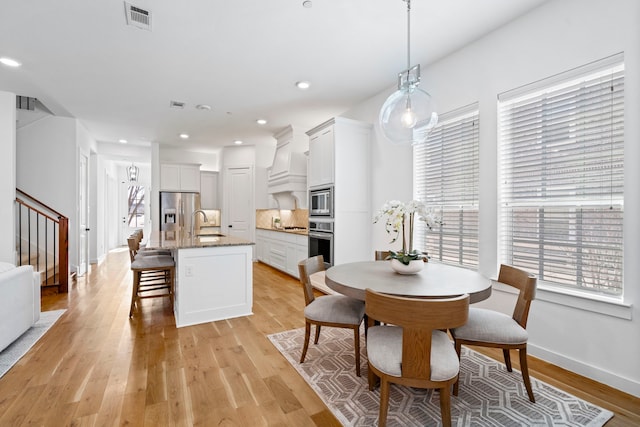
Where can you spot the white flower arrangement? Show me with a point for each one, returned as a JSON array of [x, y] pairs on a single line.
[[397, 215]]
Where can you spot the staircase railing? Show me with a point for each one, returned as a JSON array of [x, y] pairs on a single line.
[[42, 240]]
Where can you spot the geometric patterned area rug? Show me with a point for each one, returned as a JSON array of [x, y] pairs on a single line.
[[14, 351], [489, 395]]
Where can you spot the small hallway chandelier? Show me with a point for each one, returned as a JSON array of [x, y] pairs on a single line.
[[132, 173], [408, 115]]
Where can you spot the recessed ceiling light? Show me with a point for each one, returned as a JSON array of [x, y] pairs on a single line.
[[9, 62], [261, 121], [303, 85], [203, 107], [122, 141], [237, 142], [184, 135], [307, 4]]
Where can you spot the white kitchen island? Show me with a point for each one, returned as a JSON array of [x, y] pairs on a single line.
[[214, 276]]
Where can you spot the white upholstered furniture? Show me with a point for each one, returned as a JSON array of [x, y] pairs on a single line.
[[415, 352], [336, 311], [20, 302], [488, 328]]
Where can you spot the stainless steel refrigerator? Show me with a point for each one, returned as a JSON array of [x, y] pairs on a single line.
[[176, 210]]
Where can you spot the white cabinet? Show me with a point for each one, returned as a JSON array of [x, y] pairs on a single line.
[[169, 177], [261, 248], [281, 250], [209, 190], [321, 158], [179, 177], [340, 155]]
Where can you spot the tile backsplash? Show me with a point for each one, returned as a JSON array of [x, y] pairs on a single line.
[[294, 218]]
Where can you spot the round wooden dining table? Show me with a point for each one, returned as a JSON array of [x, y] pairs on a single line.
[[434, 281]]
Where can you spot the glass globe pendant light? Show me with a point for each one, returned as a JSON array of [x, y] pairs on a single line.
[[408, 115]]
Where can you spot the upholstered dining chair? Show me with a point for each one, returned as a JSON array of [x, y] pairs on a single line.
[[337, 311], [488, 328], [415, 352]]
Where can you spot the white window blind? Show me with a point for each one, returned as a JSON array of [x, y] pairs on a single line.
[[445, 171], [561, 173]]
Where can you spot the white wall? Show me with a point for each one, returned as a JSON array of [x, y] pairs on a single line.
[[558, 36], [208, 161], [7, 176], [46, 156], [264, 154]]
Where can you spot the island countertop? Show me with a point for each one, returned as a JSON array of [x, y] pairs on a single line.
[[182, 240]]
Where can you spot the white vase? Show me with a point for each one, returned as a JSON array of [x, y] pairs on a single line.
[[414, 267]]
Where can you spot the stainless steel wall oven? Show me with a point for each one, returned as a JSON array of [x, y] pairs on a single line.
[[321, 239]]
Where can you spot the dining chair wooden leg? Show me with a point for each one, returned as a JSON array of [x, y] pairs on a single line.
[[458, 346], [384, 402], [445, 407], [315, 341], [373, 379], [524, 368], [366, 325], [307, 335], [356, 344], [507, 358]]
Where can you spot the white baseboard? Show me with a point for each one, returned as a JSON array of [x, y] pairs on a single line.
[[595, 373], [98, 260]]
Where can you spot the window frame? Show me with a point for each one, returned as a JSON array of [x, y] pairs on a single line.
[[133, 213], [564, 294], [456, 240]]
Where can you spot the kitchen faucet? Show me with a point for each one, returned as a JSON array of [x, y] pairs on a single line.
[[193, 219]]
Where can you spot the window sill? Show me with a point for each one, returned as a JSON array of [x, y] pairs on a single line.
[[597, 304]]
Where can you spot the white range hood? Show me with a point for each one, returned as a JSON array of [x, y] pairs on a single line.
[[287, 176]]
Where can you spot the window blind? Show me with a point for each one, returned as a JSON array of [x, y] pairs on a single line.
[[445, 171], [561, 174]]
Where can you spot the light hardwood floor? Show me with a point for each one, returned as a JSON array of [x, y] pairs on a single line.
[[96, 367]]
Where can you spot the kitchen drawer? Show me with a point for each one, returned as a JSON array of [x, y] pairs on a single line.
[[278, 260], [277, 248]]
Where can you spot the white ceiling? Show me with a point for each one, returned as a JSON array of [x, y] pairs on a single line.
[[242, 58]]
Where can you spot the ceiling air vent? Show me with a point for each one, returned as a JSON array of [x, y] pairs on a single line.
[[25, 103], [176, 104], [137, 17]]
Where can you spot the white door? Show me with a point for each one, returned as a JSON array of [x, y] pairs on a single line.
[[239, 201], [83, 217], [133, 208]]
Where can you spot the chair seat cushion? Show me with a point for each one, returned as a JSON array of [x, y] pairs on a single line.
[[335, 309], [384, 350], [491, 326], [152, 262]]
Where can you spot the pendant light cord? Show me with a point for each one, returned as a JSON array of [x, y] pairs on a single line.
[[408, 35]]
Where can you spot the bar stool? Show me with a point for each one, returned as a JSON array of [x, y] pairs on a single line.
[[153, 276], [137, 235]]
